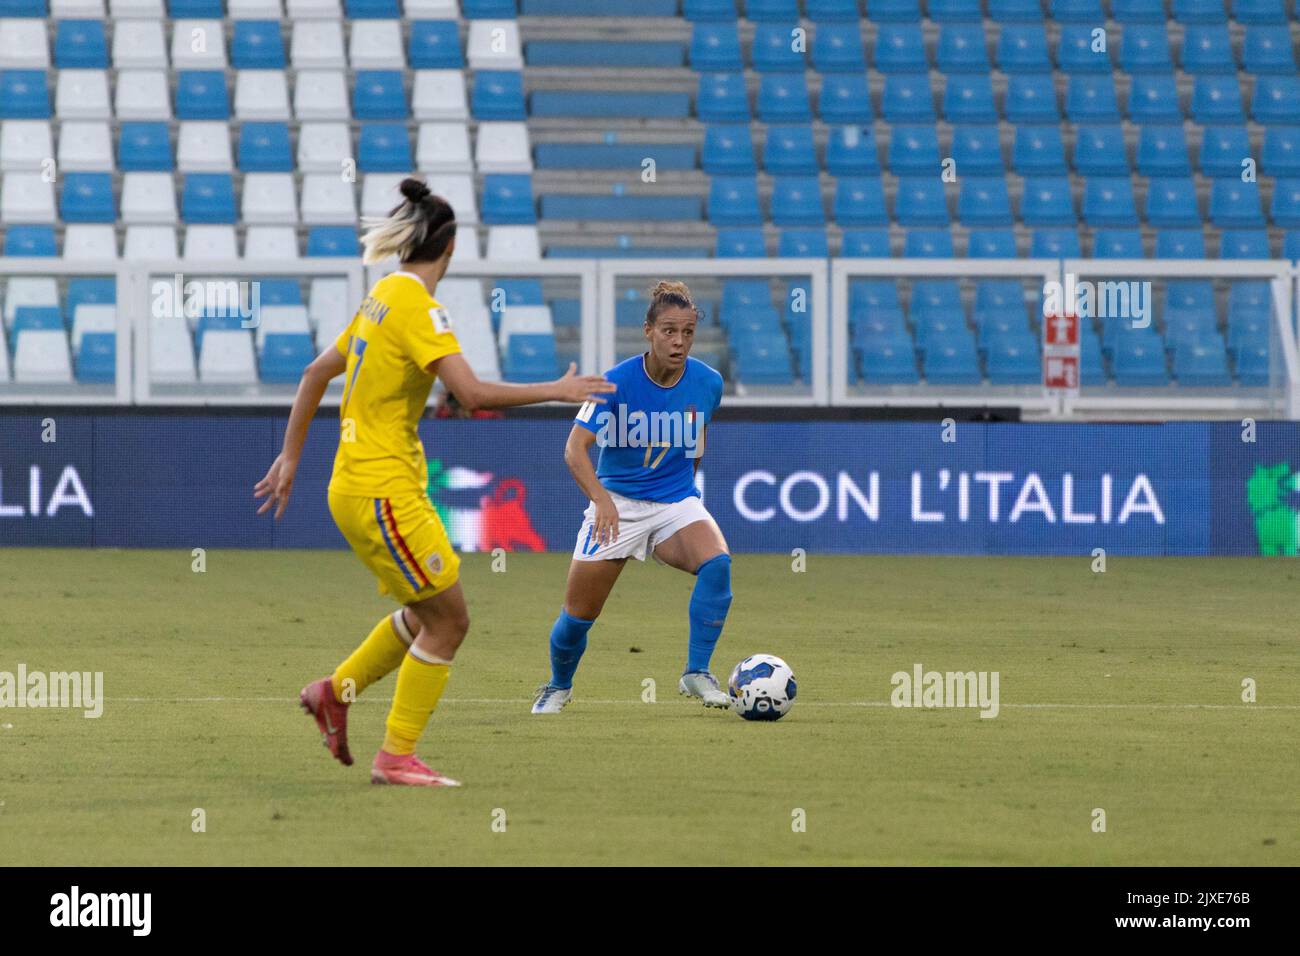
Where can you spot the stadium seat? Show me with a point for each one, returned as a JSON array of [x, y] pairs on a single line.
[[150, 242], [1276, 99], [953, 361], [1031, 98], [1258, 11], [977, 151], [851, 151], [764, 10], [1038, 151], [1060, 243], [1144, 48], [920, 201], [1046, 201], [715, 47], [285, 355], [256, 45], [144, 147], [1118, 244], [1108, 201], [26, 198], [87, 197], [844, 99], [435, 45], [822, 10], [27, 144], [1013, 360], [907, 98], [1180, 244], [889, 362], [913, 149], [1092, 366], [928, 244], [1207, 49], [763, 361], [97, 358], [984, 201], [226, 357], [210, 242], [333, 241], [1281, 153], [200, 95], [1153, 98], [721, 98], [1267, 49], [1171, 202], [1254, 366], [1244, 244], [789, 151], [900, 48], [1223, 148], [859, 201], [1091, 99], [961, 49], [803, 244], [783, 98], [1162, 151], [208, 197], [1216, 99], [837, 48], [41, 357], [796, 201], [1234, 204], [1139, 360], [773, 51], [36, 318], [24, 241], [1099, 150], [733, 201], [728, 150], [968, 98], [992, 244], [1202, 363], [1076, 52], [1285, 208], [954, 11], [508, 200], [865, 243], [1022, 48], [740, 243], [1015, 11], [1199, 11], [204, 147], [378, 94], [80, 44]]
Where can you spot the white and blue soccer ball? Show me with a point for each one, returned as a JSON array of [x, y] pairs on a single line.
[[762, 687]]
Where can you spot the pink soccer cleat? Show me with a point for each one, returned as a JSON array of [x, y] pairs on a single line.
[[408, 771], [331, 717]]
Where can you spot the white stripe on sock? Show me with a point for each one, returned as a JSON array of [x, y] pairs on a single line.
[[425, 656], [403, 632]]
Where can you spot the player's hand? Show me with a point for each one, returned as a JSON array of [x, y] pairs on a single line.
[[606, 526], [582, 388], [276, 486]]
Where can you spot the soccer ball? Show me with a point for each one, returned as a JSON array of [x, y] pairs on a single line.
[[762, 688]]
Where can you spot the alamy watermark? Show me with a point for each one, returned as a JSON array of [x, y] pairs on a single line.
[[922, 688], [180, 299], [1112, 299], [78, 690], [620, 427]]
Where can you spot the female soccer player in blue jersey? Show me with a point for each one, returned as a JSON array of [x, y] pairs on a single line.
[[643, 496]]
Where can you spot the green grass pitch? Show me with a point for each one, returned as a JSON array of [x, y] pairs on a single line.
[[1120, 691]]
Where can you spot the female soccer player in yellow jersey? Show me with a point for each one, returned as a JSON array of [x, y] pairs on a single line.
[[398, 342]]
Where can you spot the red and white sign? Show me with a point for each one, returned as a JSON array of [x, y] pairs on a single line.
[[1061, 372], [1061, 330], [1061, 352]]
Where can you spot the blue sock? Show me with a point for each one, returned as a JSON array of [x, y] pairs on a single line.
[[568, 641], [708, 610]]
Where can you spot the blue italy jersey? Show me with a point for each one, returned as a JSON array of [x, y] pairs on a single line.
[[650, 436]]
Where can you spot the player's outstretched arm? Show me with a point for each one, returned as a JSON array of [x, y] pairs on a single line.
[[472, 392], [278, 483], [577, 455]]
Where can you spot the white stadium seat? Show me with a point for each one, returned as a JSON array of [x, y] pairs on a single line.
[[473, 328], [328, 308], [269, 198], [458, 190], [493, 45], [317, 45], [24, 44], [503, 148], [322, 147], [148, 198], [83, 94], [85, 146], [514, 242], [431, 9], [270, 242], [139, 45], [313, 9], [321, 94], [77, 9], [92, 318], [41, 357], [443, 148], [280, 318], [439, 95], [25, 144], [376, 45], [198, 45], [89, 240], [526, 320], [124, 9], [142, 95], [261, 95], [226, 358], [379, 193], [327, 200], [26, 198], [466, 245], [171, 351], [210, 241], [203, 146], [150, 242], [254, 10], [29, 290]]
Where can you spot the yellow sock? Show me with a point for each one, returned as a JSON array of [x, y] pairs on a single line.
[[378, 654], [419, 685]]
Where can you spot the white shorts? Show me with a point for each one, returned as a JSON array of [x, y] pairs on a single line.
[[642, 525]]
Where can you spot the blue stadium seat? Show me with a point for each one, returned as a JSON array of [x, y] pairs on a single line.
[[715, 47], [566, 313], [1180, 244], [388, 9], [34, 241], [844, 98], [1259, 11], [256, 45], [1285, 209], [968, 98], [36, 318], [837, 48], [1117, 244], [1291, 244], [1013, 360], [1187, 327], [1199, 11], [1207, 49], [333, 241], [1055, 243], [1145, 49], [80, 44], [763, 360], [1099, 150], [264, 148], [208, 198], [384, 148], [953, 361], [697, 10], [934, 328], [779, 10], [284, 357], [488, 9], [1222, 150], [378, 95], [789, 151], [1189, 294], [889, 362], [1276, 99], [913, 149], [954, 11], [1076, 52], [144, 147], [961, 49], [797, 201], [530, 358], [1038, 151], [1022, 48], [977, 151], [1091, 99], [1046, 202], [103, 291], [900, 48], [435, 45], [1015, 11], [803, 244], [1234, 204], [721, 98], [1092, 367], [992, 244], [520, 291], [87, 197], [871, 294], [1153, 98], [984, 201], [1253, 363], [1203, 363], [744, 242], [1244, 244], [928, 244], [783, 98], [201, 95], [1031, 98], [878, 322], [907, 98], [97, 358], [865, 243], [920, 201], [860, 201], [1267, 49], [1138, 11], [1249, 297], [1077, 11], [774, 50], [728, 150], [894, 11], [194, 9], [1281, 153], [1162, 151], [1108, 201], [733, 201], [1171, 202], [23, 8], [820, 10], [24, 95], [1216, 99], [497, 95], [851, 151], [1139, 360], [508, 200], [279, 292]]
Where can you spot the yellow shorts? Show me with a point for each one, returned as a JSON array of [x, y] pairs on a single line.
[[402, 542]]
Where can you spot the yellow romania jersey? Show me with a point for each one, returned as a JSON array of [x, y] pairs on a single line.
[[398, 330]]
